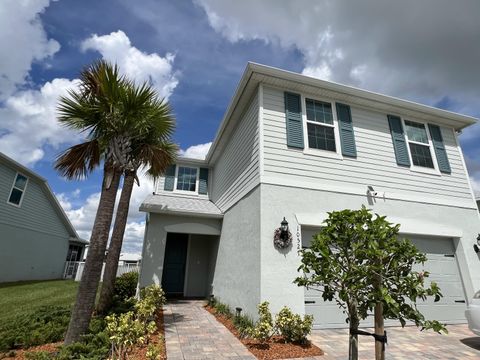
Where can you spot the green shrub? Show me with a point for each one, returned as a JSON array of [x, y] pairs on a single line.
[[222, 309], [292, 327], [153, 352], [243, 324], [126, 286], [95, 345], [45, 325], [263, 329], [124, 332]]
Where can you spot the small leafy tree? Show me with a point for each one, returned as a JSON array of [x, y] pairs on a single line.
[[358, 261]]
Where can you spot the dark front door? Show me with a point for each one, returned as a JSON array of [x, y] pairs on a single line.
[[173, 276]]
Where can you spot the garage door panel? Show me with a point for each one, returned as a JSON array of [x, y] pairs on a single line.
[[443, 269]]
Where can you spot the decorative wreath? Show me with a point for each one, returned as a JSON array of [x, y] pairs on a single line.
[[282, 239]]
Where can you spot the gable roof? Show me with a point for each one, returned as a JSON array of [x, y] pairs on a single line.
[[50, 195], [255, 74]]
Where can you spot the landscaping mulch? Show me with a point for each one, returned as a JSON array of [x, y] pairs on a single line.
[[20, 353], [157, 339], [275, 348]]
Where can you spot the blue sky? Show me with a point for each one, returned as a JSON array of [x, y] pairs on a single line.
[[194, 53]]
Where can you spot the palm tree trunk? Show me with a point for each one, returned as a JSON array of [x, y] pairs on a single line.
[[113, 256], [87, 291]]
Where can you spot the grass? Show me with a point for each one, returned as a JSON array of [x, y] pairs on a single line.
[[20, 298]]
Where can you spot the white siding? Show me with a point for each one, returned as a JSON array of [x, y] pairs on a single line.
[[375, 163], [236, 171]]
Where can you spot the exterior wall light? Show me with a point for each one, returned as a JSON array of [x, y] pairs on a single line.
[[284, 225], [476, 246]]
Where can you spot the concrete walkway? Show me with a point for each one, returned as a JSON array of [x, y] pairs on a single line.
[[191, 332]]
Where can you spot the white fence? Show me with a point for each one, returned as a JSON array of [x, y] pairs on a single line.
[[74, 269]]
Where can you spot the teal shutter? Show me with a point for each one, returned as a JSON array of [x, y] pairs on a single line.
[[293, 112], [398, 138], [203, 181], [439, 147], [169, 178], [347, 137]]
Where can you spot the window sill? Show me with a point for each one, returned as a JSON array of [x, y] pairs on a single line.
[[419, 169], [323, 153]]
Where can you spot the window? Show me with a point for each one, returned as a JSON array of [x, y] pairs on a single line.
[[320, 125], [187, 179], [18, 188], [419, 144]]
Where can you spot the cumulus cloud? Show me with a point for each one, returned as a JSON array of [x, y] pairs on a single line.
[[23, 41], [413, 49], [29, 122], [83, 216], [196, 151], [157, 70]]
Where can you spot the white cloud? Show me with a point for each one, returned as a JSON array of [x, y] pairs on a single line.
[[116, 47], [411, 49], [196, 151], [23, 41], [83, 216], [28, 122]]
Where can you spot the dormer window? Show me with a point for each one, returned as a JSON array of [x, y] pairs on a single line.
[[18, 189], [187, 178]]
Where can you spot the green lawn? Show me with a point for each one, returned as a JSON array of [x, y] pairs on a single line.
[[23, 297]]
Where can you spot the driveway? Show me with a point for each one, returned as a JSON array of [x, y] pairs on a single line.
[[407, 343]]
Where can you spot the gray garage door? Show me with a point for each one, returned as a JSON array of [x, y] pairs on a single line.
[[443, 269]]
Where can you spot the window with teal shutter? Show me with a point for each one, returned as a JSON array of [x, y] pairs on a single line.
[[320, 126], [398, 139], [347, 136], [439, 147], [169, 178], [293, 114], [203, 181]]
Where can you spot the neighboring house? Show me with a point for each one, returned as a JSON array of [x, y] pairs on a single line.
[[297, 147], [36, 237], [129, 259]]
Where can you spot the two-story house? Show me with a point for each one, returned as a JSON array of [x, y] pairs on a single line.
[[298, 147], [36, 236]]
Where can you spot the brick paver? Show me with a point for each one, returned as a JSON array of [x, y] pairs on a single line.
[[191, 332], [406, 343]]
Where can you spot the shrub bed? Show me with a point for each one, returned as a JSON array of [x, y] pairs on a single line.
[[267, 339]]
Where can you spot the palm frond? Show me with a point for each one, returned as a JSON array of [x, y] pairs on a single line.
[[79, 160]]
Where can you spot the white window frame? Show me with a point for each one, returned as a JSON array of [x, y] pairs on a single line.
[[416, 168], [13, 186], [197, 181], [337, 154]]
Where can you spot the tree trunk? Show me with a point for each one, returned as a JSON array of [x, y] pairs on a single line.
[[353, 340], [379, 330], [115, 247], [87, 291]]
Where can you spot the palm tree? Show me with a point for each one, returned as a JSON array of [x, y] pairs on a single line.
[[97, 109], [150, 148]]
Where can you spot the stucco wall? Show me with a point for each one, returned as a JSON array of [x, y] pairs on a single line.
[[279, 269], [158, 225], [200, 255], [237, 273], [30, 255]]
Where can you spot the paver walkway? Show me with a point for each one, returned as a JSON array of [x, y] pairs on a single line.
[[407, 343], [191, 332]]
